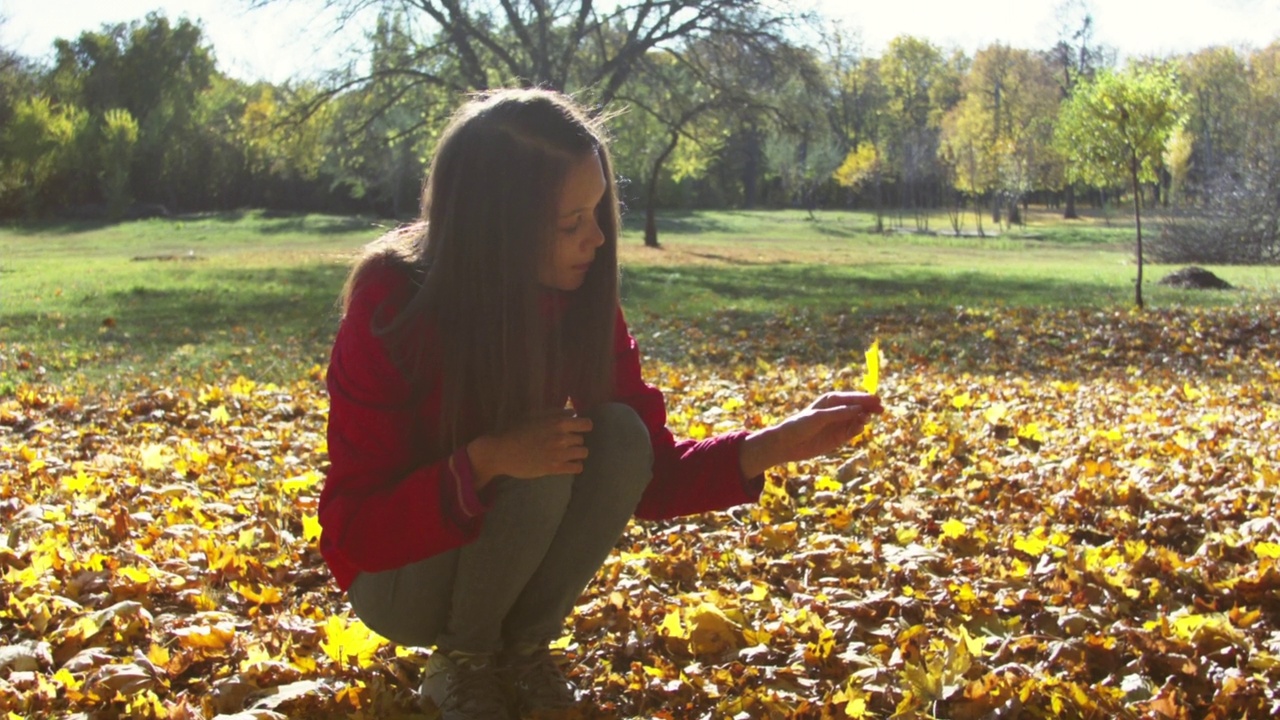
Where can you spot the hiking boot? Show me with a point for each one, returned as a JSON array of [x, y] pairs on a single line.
[[538, 681], [464, 686]]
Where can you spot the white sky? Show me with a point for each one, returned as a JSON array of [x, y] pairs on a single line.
[[289, 38]]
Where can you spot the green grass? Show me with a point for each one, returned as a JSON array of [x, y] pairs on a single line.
[[254, 294], [762, 262]]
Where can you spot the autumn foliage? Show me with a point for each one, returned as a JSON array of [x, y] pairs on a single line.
[[1061, 514]]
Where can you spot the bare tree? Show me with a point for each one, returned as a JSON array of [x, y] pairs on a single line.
[[569, 45]]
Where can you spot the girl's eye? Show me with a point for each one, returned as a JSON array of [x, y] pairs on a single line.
[[566, 229]]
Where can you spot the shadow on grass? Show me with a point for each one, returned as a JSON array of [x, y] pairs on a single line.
[[291, 299], [774, 287], [266, 222], [842, 230], [679, 222], [969, 322], [270, 222], [275, 322], [55, 227]]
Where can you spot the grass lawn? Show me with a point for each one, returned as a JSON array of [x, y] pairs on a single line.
[[252, 293]]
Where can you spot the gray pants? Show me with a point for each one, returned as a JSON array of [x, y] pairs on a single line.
[[543, 540]]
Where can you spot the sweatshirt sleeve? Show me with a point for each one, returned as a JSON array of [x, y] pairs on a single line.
[[688, 477], [386, 502]]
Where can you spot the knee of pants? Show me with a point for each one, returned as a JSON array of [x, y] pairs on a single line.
[[541, 501], [620, 440], [407, 605]]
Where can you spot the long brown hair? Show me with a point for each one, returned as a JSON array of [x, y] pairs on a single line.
[[504, 348]]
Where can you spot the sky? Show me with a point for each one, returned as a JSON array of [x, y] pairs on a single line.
[[290, 39]]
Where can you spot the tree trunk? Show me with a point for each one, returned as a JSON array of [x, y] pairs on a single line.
[[1137, 221], [751, 169], [651, 193], [879, 203], [1070, 213]]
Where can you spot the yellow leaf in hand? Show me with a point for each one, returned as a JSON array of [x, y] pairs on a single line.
[[871, 381]]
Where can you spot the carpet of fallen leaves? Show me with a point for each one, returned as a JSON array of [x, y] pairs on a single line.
[[1062, 514]]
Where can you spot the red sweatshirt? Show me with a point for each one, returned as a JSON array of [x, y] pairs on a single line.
[[389, 500]]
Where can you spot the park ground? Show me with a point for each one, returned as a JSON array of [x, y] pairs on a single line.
[[1068, 509]]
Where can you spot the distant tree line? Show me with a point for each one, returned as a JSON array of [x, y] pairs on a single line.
[[713, 103]]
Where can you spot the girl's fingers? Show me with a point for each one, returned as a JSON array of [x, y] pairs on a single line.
[[840, 414], [573, 425]]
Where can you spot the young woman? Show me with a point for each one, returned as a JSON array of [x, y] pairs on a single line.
[[489, 433]]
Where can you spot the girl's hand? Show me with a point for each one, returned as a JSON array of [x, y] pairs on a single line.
[[551, 445], [829, 422]]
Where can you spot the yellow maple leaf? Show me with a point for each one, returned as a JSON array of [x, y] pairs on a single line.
[[159, 655], [953, 529], [136, 575], [826, 483], [310, 528], [155, 457], [64, 678], [79, 483], [256, 654], [268, 595], [711, 632], [1267, 550], [242, 386], [871, 381], [1031, 545], [298, 483], [345, 641], [996, 413], [210, 394], [215, 636], [671, 625], [1031, 431]]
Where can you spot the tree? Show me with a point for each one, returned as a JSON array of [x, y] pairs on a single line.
[[594, 50], [803, 162], [998, 138], [668, 118], [569, 45], [35, 146], [921, 85], [1116, 127], [381, 133], [862, 166], [855, 96], [17, 81], [158, 72], [1076, 58], [1216, 81], [700, 90], [119, 135], [1233, 176]]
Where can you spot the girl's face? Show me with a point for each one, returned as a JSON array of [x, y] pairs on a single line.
[[577, 232]]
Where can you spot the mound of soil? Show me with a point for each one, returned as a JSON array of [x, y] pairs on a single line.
[[1195, 278]]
